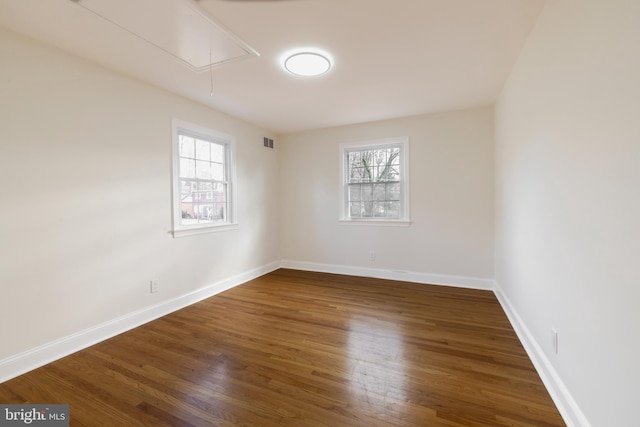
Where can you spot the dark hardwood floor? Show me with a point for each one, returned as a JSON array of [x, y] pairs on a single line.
[[306, 349]]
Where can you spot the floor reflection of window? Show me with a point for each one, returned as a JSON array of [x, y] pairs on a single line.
[[376, 366]]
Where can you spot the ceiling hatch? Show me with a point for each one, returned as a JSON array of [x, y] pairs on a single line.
[[178, 27]]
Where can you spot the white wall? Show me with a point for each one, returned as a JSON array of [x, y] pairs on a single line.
[[85, 165], [568, 199], [451, 168]]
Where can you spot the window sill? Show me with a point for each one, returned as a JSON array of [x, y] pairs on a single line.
[[184, 232], [376, 222]]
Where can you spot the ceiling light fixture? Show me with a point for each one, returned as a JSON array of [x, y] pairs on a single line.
[[307, 64]]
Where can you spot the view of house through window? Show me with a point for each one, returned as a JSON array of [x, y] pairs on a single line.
[[202, 180], [374, 180], [203, 187]]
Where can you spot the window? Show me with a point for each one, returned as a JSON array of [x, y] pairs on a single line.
[[374, 182], [203, 180]]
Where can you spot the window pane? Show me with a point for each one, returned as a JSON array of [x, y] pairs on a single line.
[[368, 166], [205, 192], [395, 155], [205, 186], [186, 146], [217, 153], [379, 192], [205, 213], [393, 209], [203, 170], [188, 214], [379, 209], [377, 172], [393, 191], [202, 150], [355, 174], [217, 171], [367, 192], [354, 159], [367, 209], [219, 212], [187, 168], [187, 188], [219, 192], [355, 210], [354, 193]]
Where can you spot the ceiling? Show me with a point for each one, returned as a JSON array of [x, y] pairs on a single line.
[[392, 58]]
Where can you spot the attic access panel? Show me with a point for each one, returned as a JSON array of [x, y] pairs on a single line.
[[178, 27]]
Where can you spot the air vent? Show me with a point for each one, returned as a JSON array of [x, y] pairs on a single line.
[[268, 143]]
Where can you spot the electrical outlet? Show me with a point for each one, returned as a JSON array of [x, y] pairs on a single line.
[[154, 286], [554, 340], [372, 256]]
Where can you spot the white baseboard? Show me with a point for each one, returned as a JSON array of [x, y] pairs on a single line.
[[567, 406], [404, 276], [39, 356]]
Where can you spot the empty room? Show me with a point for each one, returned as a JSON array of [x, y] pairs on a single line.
[[319, 213]]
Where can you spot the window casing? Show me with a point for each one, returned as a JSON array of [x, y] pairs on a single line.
[[374, 182], [203, 180]]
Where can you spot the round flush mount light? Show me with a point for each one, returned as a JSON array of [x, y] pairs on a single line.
[[307, 64]]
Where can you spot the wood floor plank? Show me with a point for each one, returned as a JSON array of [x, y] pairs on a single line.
[[295, 348]]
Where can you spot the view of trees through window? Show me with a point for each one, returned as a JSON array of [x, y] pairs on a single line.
[[373, 182]]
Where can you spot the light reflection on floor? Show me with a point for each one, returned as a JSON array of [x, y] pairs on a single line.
[[376, 365]]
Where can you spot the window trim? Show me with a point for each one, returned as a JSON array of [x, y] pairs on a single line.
[[183, 127], [405, 217]]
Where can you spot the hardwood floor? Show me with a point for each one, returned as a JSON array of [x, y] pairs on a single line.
[[306, 349]]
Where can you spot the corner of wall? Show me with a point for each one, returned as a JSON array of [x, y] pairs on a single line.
[[567, 406]]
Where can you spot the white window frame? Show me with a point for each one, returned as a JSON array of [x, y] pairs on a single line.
[[181, 127], [404, 217]]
